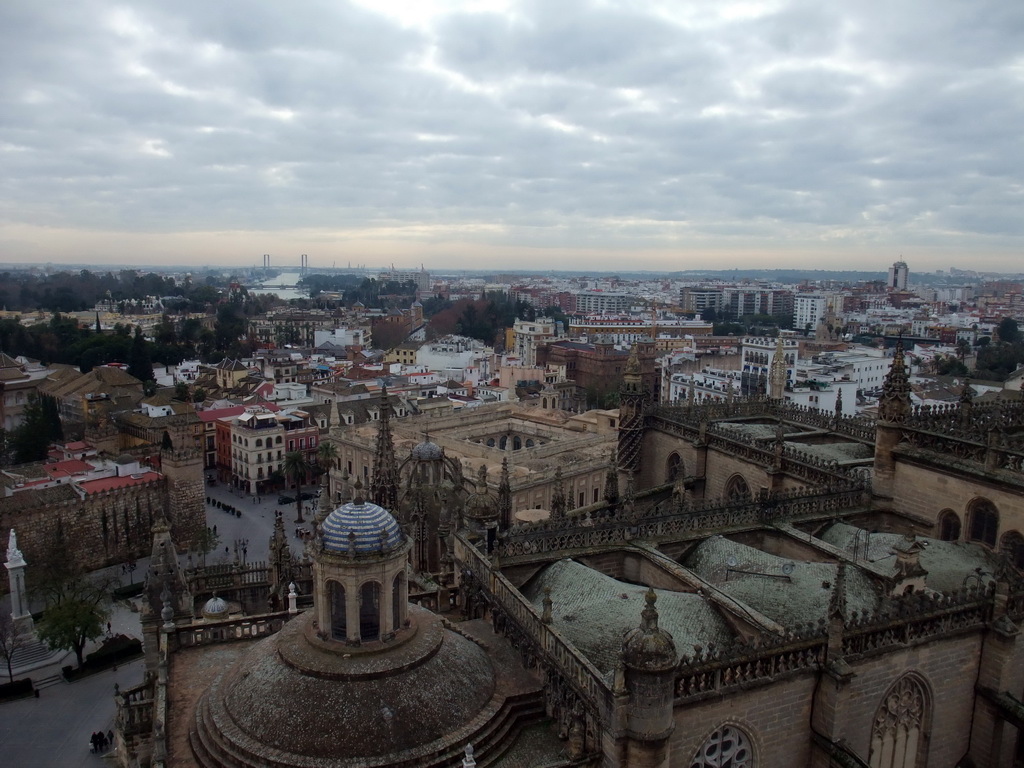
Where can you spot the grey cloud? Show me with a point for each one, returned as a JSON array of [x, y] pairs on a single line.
[[563, 122]]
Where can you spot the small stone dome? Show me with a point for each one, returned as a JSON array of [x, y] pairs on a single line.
[[125, 458], [427, 451], [215, 608], [361, 527], [648, 647]]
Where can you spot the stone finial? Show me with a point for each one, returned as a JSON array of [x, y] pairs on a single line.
[[468, 761], [167, 611], [649, 615], [619, 680], [546, 616], [357, 493], [839, 402], [648, 647]]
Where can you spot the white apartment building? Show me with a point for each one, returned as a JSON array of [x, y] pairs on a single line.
[[756, 356], [864, 366], [601, 303], [528, 334], [808, 310]]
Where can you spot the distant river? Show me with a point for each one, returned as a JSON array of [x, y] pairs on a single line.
[[287, 282]]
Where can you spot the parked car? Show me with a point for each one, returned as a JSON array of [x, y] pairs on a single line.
[[285, 499], [306, 496]]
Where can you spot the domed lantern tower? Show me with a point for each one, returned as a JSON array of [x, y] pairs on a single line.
[[361, 592]]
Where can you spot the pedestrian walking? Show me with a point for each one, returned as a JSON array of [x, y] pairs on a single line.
[[110, 737]]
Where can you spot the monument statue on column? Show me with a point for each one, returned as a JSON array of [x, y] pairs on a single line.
[[19, 598]]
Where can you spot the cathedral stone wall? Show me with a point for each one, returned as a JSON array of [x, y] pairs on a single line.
[[948, 670], [722, 468], [925, 491], [774, 719]]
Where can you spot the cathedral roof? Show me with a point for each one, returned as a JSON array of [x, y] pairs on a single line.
[[787, 591], [947, 563], [299, 702], [595, 612], [361, 528]]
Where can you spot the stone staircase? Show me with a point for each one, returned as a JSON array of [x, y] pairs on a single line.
[[34, 655], [490, 740]]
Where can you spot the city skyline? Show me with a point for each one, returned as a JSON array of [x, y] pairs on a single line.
[[596, 136]]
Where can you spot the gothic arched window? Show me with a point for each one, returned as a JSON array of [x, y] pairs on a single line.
[[949, 525], [984, 520], [898, 727], [673, 467], [737, 489], [1012, 543], [728, 747]]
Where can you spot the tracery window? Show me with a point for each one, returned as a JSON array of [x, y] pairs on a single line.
[[737, 489], [949, 526], [984, 522], [673, 467], [728, 747], [899, 724]]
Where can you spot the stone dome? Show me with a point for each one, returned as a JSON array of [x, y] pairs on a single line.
[[427, 451], [370, 708], [215, 608], [648, 647], [361, 527]]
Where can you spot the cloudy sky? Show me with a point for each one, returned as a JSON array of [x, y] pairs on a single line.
[[577, 134]]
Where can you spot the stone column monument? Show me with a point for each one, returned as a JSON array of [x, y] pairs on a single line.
[[19, 599]]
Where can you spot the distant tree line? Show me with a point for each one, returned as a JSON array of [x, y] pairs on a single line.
[[484, 319]]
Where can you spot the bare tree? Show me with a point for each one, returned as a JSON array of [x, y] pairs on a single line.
[[10, 642]]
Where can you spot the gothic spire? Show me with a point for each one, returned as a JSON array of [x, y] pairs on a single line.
[[558, 502], [895, 403], [324, 505], [504, 497], [384, 483], [611, 481], [777, 372], [837, 600], [632, 414]]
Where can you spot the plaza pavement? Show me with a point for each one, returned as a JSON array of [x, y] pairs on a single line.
[[53, 731]]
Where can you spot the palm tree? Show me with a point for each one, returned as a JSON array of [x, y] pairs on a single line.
[[326, 453], [296, 467]]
